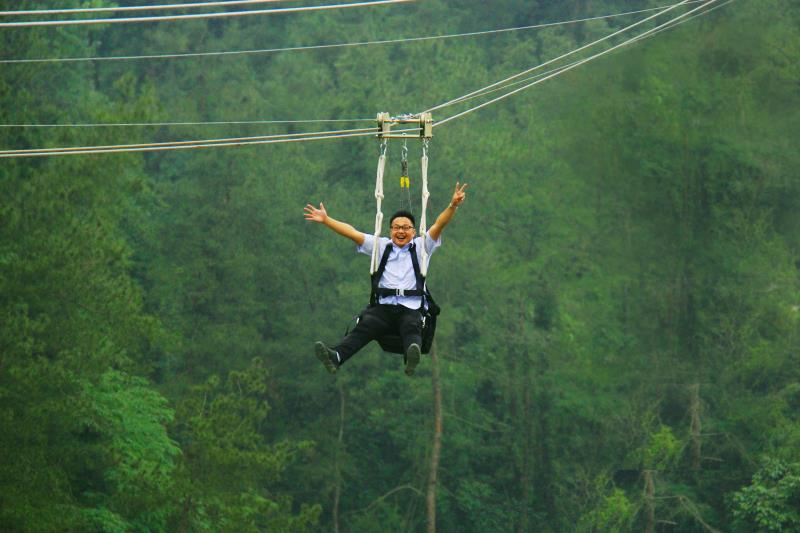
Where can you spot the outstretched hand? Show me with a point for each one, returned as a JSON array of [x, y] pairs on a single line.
[[317, 215], [459, 195]]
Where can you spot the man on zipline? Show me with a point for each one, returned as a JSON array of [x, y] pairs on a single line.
[[398, 314]]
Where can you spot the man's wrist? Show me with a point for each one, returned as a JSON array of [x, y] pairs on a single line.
[[452, 206]]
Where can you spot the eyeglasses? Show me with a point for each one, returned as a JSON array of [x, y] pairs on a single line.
[[395, 227]]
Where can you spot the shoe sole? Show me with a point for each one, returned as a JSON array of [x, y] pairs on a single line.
[[412, 359], [321, 351]]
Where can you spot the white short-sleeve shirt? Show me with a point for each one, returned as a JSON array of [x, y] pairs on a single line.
[[399, 273]]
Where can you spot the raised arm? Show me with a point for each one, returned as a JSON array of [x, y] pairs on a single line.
[[342, 228], [445, 216]]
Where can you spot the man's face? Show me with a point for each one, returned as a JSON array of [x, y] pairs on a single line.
[[402, 231]]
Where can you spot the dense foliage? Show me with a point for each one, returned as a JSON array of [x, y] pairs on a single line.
[[620, 342]]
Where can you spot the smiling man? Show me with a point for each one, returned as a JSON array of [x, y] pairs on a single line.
[[392, 313]]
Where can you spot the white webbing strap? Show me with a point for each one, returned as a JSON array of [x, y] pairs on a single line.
[[423, 223], [378, 213]]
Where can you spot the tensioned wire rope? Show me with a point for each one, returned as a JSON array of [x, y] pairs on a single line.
[[77, 10], [196, 16], [581, 62], [203, 123], [598, 17], [115, 147], [332, 45], [325, 135], [669, 25], [258, 140], [666, 26], [184, 145], [562, 56]]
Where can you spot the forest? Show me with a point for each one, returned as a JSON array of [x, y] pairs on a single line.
[[619, 342]]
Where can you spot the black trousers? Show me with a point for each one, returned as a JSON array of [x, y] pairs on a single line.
[[378, 320]]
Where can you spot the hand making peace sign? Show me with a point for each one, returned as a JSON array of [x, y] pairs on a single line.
[[458, 195]]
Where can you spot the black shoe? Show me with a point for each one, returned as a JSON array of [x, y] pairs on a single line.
[[327, 356], [412, 358]]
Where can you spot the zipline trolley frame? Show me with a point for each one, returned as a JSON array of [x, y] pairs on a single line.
[[386, 121]]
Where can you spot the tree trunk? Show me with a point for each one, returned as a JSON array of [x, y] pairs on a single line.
[[525, 431], [187, 506], [339, 450], [437, 441], [649, 501], [543, 466], [696, 425], [525, 474]]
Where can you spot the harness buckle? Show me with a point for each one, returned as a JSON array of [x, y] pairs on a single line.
[[399, 292]]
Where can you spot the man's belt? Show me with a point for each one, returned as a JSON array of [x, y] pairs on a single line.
[[384, 291]]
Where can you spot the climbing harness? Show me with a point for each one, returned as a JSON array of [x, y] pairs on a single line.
[[392, 342]]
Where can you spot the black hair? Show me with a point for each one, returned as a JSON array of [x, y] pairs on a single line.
[[403, 213]]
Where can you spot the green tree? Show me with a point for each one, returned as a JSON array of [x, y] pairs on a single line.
[[224, 479], [770, 502]]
